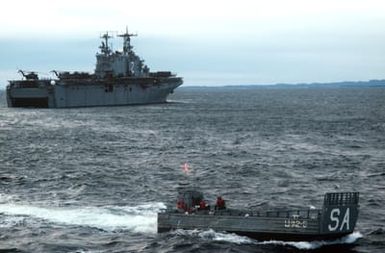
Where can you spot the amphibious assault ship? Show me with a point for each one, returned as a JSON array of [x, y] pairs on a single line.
[[120, 78], [335, 219]]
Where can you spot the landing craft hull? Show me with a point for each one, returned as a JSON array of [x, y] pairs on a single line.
[[336, 219], [260, 228], [88, 93]]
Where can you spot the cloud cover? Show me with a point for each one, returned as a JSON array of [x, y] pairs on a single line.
[[207, 42]]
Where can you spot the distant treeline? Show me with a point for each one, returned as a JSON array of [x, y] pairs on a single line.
[[371, 83], [344, 84]]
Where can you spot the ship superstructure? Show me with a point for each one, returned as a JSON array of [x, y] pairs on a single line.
[[120, 78]]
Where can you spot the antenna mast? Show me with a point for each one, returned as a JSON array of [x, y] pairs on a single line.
[[104, 47], [127, 41]]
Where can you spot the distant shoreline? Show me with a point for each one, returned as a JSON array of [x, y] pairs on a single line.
[[343, 84]]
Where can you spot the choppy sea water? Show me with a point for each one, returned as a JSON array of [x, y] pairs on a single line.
[[93, 179]]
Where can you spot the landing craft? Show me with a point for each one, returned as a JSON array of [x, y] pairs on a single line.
[[120, 78], [335, 219]]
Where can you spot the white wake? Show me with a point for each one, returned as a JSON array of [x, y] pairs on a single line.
[[348, 239], [137, 219], [237, 239]]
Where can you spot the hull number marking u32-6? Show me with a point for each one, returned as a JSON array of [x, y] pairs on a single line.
[[295, 222]]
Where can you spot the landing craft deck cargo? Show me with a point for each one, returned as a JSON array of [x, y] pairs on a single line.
[[120, 78], [336, 219]]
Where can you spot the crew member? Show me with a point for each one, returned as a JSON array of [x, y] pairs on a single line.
[[220, 203], [181, 206], [202, 205]]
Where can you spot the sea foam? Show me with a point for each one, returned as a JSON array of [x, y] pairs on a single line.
[[137, 219], [237, 239]]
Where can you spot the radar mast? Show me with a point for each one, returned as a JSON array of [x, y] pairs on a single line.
[[126, 41], [104, 47]]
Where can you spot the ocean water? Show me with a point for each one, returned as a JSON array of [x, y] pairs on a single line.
[[93, 179]]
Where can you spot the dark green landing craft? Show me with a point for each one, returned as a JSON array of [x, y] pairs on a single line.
[[336, 219]]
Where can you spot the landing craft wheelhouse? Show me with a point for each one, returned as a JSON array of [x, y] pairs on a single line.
[[120, 78]]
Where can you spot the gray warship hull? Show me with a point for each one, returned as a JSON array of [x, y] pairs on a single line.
[[86, 93], [336, 219], [120, 78]]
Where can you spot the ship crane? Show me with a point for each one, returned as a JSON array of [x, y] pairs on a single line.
[[31, 75]]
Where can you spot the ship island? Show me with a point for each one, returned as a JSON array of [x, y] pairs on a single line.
[[120, 78]]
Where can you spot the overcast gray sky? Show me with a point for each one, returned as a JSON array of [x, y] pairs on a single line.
[[207, 42]]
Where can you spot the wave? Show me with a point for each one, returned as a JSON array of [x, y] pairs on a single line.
[[348, 239], [215, 236], [9, 221], [237, 239], [136, 219]]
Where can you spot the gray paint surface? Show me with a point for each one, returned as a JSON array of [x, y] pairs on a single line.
[[336, 218], [120, 78]]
